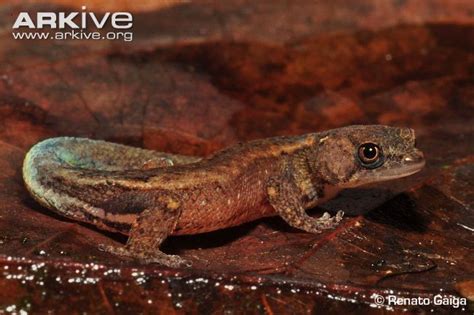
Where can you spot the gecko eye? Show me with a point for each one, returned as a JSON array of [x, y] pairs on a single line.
[[370, 155]]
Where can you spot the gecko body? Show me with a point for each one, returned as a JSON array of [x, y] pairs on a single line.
[[150, 195]]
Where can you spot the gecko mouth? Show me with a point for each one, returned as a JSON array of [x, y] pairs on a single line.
[[410, 164], [403, 171]]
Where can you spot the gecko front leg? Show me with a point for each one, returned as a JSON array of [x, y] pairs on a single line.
[[284, 197], [149, 231]]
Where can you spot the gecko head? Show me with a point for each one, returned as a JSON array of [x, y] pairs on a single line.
[[357, 155]]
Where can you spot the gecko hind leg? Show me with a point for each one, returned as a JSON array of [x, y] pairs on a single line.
[[148, 233], [284, 198]]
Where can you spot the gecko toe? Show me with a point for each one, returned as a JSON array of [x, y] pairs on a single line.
[[158, 257], [116, 250], [325, 216], [172, 261], [339, 215]]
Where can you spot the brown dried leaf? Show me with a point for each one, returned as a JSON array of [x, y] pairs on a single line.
[[202, 76]]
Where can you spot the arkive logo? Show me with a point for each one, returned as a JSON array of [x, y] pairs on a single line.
[[83, 25], [74, 20]]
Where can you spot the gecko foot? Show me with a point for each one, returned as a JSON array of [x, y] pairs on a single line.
[[158, 257], [331, 222], [326, 221]]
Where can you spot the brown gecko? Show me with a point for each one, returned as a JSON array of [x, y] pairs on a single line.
[[150, 195]]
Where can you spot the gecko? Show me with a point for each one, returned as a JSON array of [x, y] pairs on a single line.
[[149, 195]]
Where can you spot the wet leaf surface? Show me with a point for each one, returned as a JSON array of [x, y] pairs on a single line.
[[199, 77]]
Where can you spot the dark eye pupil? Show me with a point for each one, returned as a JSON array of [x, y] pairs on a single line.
[[369, 151]]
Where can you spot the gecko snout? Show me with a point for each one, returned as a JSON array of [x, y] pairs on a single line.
[[414, 158]]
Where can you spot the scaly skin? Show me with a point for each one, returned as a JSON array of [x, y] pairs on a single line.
[[149, 195]]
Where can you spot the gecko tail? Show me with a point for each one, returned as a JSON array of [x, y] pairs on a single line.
[[43, 175], [47, 162], [41, 161]]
